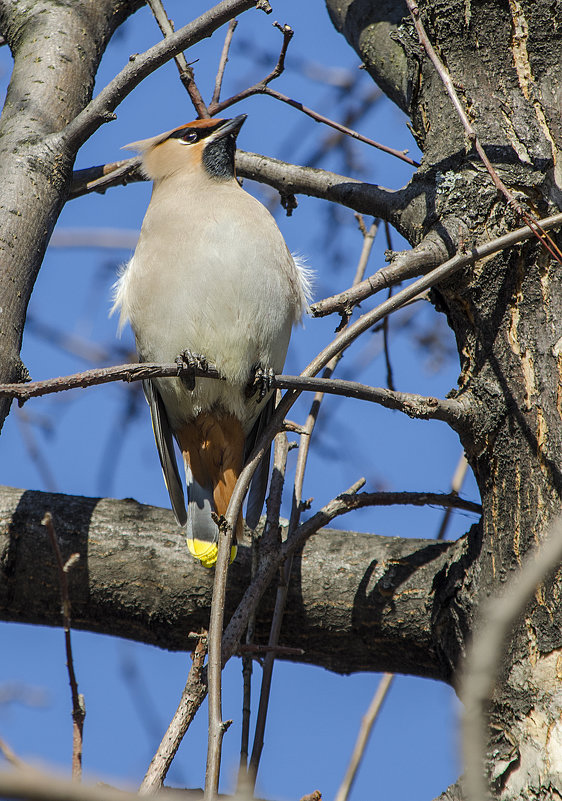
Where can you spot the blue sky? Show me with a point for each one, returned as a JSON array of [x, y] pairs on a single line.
[[131, 690]]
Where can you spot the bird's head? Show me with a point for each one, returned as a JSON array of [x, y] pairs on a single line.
[[205, 145]]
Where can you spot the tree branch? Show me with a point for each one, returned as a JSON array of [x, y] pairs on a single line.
[[447, 410], [343, 620], [286, 178], [411, 263], [101, 108], [185, 71]]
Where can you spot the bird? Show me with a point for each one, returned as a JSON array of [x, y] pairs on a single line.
[[211, 281]]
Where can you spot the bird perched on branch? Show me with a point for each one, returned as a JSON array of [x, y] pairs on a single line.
[[211, 280]]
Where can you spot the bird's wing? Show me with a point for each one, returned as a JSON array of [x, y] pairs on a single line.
[[165, 445], [258, 487]]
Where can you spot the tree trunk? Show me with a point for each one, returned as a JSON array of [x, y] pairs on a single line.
[[506, 313], [50, 84]]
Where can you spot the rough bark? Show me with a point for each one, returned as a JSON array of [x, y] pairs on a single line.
[[505, 60], [50, 84], [356, 601]]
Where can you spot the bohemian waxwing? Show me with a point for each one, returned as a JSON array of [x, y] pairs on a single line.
[[211, 277]]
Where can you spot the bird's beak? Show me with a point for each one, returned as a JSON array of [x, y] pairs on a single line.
[[230, 127]]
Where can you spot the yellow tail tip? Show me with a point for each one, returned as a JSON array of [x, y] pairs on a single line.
[[207, 552]]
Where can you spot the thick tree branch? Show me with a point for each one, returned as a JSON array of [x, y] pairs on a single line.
[[344, 620], [286, 178]]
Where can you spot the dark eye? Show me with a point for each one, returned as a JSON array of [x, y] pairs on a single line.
[[189, 138]]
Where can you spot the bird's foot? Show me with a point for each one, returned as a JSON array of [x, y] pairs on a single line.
[[188, 362], [261, 381]]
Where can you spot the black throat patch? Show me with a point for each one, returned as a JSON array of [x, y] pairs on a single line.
[[218, 157]]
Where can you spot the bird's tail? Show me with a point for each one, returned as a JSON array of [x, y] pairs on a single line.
[[213, 452]]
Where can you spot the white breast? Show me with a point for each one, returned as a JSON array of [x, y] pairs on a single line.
[[211, 273]]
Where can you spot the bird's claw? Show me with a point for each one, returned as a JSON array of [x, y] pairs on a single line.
[[260, 382], [188, 362]]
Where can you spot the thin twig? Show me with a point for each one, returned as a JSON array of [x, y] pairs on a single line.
[[386, 322], [283, 586], [78, 706], [217, 727], [100, 109], [247, 669], [497, 618], [223, 60], [534, 224], [262, 89], [271, 538], [191, 699], [185, 71], [261, 86], [363, 736], [456, 486], [344, 302]]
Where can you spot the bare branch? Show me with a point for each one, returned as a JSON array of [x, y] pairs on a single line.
[[223, 60], [78, 706], [185, 71], [363, 737], [191, 699], [448, 410], [271, 538], [96, 528], [101, 108], [344, 302], [315, 115], [217, 727]]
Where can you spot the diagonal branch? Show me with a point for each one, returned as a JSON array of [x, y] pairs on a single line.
[[191, 698], [344, 302], [223, 61], [315, 115], [185, 71], [258, 88], [101, 108]]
